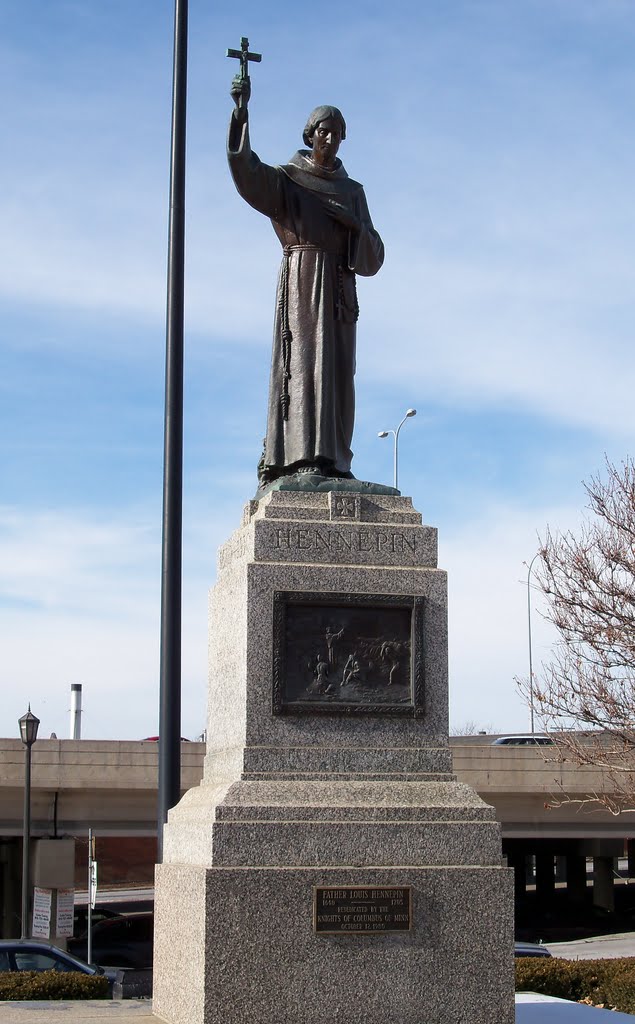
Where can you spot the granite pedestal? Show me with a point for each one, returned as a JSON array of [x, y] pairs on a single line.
[[328, 789]]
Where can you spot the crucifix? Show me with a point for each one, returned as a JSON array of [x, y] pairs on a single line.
[[244, 56]]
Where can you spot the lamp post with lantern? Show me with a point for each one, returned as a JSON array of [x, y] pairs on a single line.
[[28, 734]]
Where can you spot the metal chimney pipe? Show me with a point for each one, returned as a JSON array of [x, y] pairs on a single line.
[[76, 711]]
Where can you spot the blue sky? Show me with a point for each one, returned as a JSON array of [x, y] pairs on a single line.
[[495, 143]]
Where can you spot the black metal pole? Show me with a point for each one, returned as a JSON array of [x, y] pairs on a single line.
[[26, 840], [170, 672]]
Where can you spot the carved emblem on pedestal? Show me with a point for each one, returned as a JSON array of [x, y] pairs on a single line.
[[345, 506]]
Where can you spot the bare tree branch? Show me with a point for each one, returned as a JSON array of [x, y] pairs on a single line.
[[586, 696]]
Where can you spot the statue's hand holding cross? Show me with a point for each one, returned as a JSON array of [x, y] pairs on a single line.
[[241, 84]]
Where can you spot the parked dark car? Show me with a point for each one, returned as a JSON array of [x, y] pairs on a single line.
[[80, 919], [530, 949], [33, 955], [124, 941]]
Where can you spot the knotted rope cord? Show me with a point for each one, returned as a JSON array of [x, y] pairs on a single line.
[[285, 334], [339, 303]]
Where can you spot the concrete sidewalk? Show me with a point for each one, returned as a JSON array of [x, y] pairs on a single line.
[[78, 1011], [530, 1009]]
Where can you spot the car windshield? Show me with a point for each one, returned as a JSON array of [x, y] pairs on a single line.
[[78, 964], [42, 960], [522, 741]]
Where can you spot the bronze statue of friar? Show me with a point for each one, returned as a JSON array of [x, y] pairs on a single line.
[[321, 217]]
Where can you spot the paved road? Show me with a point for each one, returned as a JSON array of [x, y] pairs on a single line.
[[599, 948]]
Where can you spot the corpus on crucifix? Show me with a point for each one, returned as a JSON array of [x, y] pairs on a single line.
[[321, 218]]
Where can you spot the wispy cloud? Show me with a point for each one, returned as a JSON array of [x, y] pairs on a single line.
[[79, 602], [522, 248], [486, 558]]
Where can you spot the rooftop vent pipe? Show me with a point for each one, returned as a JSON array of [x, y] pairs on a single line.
[[76, 711]]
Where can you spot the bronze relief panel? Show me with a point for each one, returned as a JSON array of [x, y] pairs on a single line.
[[347, 653]]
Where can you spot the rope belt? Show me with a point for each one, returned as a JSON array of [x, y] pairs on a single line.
[[285, 334], [288, 249]]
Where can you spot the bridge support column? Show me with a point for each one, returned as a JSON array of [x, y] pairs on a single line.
[[516, 860], [603, 892], [630, 852], [10, 868], [576, 877], [545, 877]]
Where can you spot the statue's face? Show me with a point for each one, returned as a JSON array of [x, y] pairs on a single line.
[[326, 142]]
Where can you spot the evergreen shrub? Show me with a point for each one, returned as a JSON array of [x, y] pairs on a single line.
[[52, 985], [601, 982]]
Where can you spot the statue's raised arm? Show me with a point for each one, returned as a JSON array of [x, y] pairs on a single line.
[[321, 218]]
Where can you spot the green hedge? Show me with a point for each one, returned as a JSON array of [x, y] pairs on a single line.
[[618, 985], [608, 982], [52, 985]]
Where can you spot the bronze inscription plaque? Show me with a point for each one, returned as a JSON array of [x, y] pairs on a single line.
[[357, 909]]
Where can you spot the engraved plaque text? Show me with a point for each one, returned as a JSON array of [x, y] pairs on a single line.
[[356, 909]]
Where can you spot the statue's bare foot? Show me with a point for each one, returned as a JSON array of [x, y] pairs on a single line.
[[310, 468]]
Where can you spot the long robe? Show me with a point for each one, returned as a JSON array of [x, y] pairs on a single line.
[[311, 391]]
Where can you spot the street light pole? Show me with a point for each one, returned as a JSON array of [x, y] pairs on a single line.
[[171, 559], [531, 670], [28, 734], [395, 434]]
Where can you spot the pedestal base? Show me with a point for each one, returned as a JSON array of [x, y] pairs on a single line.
[[235, 933], [236, 946], [328, 765]]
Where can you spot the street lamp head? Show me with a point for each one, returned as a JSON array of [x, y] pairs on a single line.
[[411, 412], [28, 728], [382, 433]]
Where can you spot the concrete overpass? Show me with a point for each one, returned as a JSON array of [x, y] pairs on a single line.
[[111, 786]]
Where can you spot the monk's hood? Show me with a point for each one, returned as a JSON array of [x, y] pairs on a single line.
[[302, 169]]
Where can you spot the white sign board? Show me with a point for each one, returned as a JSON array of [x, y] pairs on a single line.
[[93, 883], [41, 913], [65, 912]]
